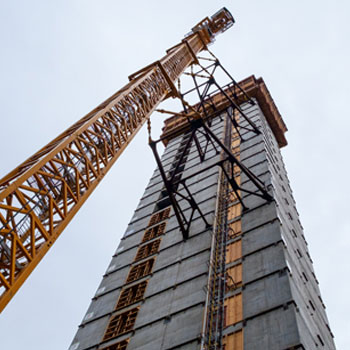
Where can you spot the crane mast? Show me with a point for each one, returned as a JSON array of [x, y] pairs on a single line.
[[41, 196]]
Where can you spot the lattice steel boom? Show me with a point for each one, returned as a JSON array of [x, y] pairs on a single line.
[[40, 197]]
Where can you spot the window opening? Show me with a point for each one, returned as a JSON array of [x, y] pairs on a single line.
[[140, 270], [162, 215], [162, 203], [147, 250], [121, 323], [118, 346], [153, 232], [131, 295]]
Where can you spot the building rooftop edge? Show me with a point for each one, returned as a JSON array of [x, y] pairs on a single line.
[[255, 88]]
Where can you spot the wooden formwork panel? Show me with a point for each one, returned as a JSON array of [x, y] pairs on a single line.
[[234, 211], [233, 341], [234, 251], [235, 228], [233, 310], [234, 276], [236, 142]]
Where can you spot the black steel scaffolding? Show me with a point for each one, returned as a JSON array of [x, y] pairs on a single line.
[[199, 125]]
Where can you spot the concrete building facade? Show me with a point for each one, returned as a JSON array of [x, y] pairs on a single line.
[[156, 292]]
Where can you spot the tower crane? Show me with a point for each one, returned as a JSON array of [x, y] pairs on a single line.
[[41, 196]]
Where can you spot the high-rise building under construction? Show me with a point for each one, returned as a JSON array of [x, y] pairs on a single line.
[[214, 256]]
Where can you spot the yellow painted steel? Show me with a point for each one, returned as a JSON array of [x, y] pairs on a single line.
[[40, 197]]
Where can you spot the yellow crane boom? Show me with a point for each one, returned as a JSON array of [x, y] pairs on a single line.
[[40, 197]]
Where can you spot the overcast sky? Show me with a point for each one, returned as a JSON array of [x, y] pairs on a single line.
[[59, 59]]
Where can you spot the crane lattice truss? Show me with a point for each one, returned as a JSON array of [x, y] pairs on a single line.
[[40, 197]]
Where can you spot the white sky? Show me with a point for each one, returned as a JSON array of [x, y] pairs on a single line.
[[59, 59]]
